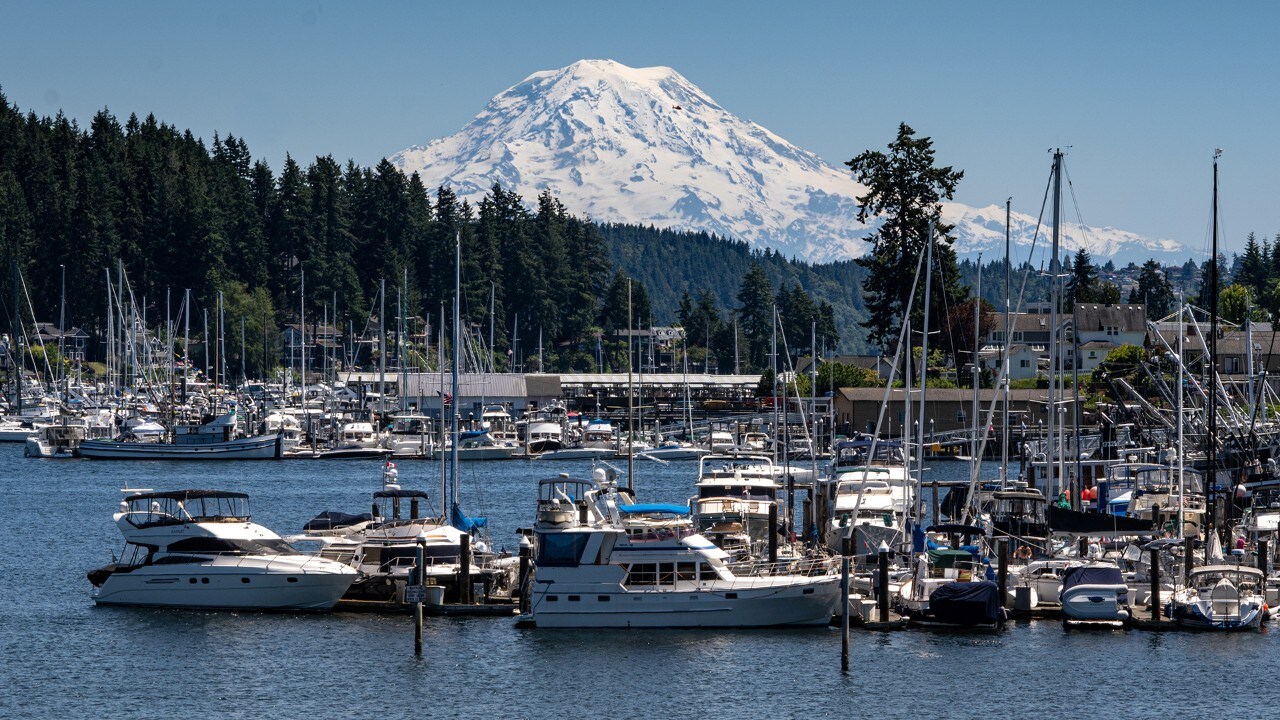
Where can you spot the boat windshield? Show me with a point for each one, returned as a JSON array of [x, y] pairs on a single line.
[[859, 453], [231, 546]]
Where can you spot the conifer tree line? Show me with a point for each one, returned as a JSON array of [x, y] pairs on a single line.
[[181, 214]]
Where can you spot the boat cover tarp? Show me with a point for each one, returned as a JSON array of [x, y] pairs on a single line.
[[966, 603], [466, 524], [655, 508], [948, 558], [332, 519], [1091, 575], [1083, 523]]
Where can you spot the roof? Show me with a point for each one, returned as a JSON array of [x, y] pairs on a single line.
[[876, 394], [185, 495], [49, 330], [1098, 345], [1090, 317]]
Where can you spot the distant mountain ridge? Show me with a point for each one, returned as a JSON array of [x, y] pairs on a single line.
[[646, 146]]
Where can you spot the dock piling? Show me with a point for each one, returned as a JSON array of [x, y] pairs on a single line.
[[844, 605], [417, 579], [1154, 602], [884, 583], [464, 571], [1003, 571]]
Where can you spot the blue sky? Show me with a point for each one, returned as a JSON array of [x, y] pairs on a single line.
[[1142, 92]]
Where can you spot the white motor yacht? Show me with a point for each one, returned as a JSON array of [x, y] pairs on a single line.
[[589, 573], [198, 549]]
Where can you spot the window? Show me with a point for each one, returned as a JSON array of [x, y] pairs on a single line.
[[561, 549], [686, 571], [707, 573], [961, 416], [641, 574], [1024, 363]]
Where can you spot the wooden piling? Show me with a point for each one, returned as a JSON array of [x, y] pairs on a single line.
[[1187, 558], [773, 533], [526, 558], [884, 584], [844, 606], [1154, 602], [1264, 558], [417, 579], [1003, 572]]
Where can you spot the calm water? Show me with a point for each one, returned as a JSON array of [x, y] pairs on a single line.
[[63, 657]]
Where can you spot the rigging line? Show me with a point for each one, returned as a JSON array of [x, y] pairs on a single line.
[[1000, 378], [43, 353], [1084, 229]]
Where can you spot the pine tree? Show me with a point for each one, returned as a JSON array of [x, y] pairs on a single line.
[[1153, 290], [1082, 286], [906, 190], [755, 313]]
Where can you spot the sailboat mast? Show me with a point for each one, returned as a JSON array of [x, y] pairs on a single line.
[[1055, 301], [382, 347], [924, 354], [1211, 447], [1004, 353], [631, 394], [457, 323], [1182, 313], [977, 341]]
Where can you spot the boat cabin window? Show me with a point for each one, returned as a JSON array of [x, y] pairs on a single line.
[[707, 573], [237, 546], [642, 575], [746, 492], [561, 549], [686, 571]]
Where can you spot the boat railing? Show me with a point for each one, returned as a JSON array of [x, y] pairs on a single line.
[[809, 566]]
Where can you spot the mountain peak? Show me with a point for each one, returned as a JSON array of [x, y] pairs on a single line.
[[647, 146]]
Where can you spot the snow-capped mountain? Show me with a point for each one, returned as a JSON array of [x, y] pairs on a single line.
[[646, 146]]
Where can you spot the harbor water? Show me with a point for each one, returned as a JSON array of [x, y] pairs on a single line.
[[62, 657]]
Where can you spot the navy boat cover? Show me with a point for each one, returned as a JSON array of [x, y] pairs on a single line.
[[332, 519], [1091, 575], [966, 603]]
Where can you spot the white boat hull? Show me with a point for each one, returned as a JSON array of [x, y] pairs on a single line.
[[811, 603], [1092, 603], [227, 587], [577, 454], [262, 447]]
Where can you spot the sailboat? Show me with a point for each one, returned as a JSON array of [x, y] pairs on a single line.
[[1218, 595]]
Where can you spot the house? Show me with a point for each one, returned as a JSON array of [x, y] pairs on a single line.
[[72, 341], [1099, 329], [320, 340], [1023, 360]]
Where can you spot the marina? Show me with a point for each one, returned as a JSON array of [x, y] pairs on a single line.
[[486, 661]]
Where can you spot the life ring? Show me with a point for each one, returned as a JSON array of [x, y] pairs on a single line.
[[1023, 553]]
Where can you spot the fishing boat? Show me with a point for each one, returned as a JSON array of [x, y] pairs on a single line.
[[199, 549], [214, 439], [589, 573]]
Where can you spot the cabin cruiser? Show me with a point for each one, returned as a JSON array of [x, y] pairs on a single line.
[[868, 475], [736, 495], [382, 545], [1220, 597], [595, 441], [1094, 593], [198, 549], [1152, 492], [287, 427], [668, 450], [590, 573], [544, 429], [721, 441], [480, 445], [16, 429], [62, 439], [357, 440], [410, 436], [869, 512]]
